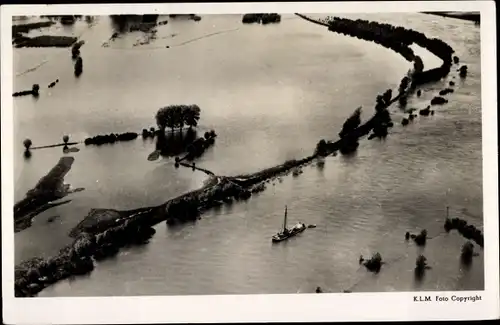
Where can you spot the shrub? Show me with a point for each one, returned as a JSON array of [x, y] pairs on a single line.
[[27, 143]]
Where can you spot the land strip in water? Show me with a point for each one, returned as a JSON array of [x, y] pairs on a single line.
[[19, 39], [470, 16], [49, 188]]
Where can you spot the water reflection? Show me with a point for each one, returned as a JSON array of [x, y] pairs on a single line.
[[27, 154], [174, 143], [67, 149], [349, 156], [419, 276], [465, 262], [121, 23]]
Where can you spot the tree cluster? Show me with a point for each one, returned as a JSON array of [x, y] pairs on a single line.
[[261, 18], [351, 123], [467, 230], [178, 116]]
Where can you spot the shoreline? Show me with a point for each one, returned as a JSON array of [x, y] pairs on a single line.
[[469, 16], [48, 189], [101, 233]]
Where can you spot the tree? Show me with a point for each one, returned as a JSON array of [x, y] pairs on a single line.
[[418, 65], [387, 96], [178, 116], [27, 143], [404, 84], [352, 122], [164, 118], [191, 115], [161, 117], [35, 89], [321, 147]]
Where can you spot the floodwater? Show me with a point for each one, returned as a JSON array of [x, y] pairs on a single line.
[[271, 93]]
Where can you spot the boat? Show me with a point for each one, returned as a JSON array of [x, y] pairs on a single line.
[[286, 233]]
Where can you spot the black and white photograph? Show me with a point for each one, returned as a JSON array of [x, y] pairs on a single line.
[[182, 151]]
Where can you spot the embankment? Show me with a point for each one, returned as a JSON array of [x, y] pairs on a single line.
[[35, 91], [26, 28], [49, 188], [19, 39], [398, 39], [44, 41]]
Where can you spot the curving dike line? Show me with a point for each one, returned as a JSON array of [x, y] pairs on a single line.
[[104, 231]]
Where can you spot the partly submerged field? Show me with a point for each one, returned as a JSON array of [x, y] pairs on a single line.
[[271, 92]]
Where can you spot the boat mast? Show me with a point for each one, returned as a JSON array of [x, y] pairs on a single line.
[[447, 212], [284, 223]]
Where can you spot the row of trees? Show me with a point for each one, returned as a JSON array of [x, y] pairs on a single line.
[[178, 116]]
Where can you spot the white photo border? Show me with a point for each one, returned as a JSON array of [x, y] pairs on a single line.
[[258, 308]]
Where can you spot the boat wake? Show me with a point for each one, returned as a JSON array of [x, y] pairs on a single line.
[[205, 36], [31, 69], [146, 48]]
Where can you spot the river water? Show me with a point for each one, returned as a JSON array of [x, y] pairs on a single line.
[[270, 92]]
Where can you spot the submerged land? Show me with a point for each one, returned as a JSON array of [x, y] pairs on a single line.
[[103, 232], [20, 39]]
